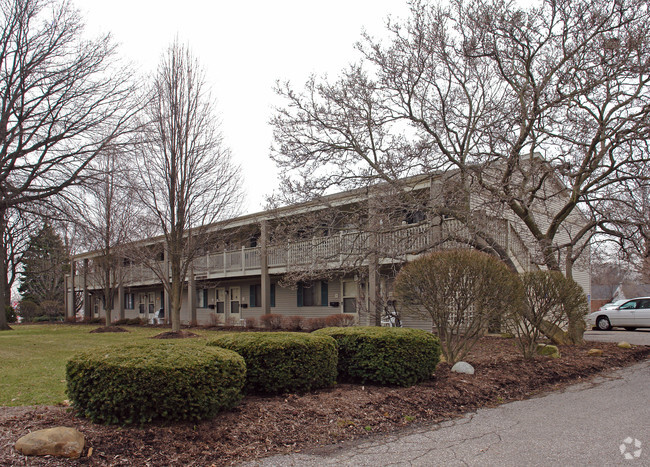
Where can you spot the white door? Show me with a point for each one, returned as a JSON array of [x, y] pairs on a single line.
[[220, 304], [234, 302]]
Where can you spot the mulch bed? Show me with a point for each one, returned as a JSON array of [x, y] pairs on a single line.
[[108, 329], [175, 335], [261, 426]]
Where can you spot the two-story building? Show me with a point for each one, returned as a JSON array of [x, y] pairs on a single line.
[[339, 254]]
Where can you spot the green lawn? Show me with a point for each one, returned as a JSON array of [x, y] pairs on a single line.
[[33, 358]]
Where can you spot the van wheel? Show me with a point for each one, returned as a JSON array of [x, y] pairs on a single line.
[[603, 324]]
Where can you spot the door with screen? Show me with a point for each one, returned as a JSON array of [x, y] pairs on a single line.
[[234, 302]]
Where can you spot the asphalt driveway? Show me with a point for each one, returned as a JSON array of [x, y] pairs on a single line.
[[605, 421], [638, 337]]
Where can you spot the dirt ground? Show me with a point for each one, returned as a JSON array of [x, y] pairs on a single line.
[[261, 426]]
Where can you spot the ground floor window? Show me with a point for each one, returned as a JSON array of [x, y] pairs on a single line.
[[349, 297], [256, 295], [202, 298], [312, 293], [129, 301]]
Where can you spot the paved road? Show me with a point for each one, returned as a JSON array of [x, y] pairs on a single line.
[[584, 424], [638, 337]]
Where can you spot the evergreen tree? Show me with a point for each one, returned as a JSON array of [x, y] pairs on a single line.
[[45, 264]]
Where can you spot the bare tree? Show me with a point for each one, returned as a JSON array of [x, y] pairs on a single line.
[[187, 178], [109, 221], [528, 104], [539, 110], [62, 101]]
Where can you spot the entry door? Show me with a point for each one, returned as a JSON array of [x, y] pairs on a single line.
[[142, 305], [234, 301], [220, 305]]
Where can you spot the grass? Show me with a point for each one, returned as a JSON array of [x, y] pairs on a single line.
[[33, 358]]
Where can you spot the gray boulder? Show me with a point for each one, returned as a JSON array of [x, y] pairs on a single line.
[[58, 441], [463, 367]]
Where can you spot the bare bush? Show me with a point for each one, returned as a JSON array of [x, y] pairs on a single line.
[[339, 320], [272, 321], [462, 291], [312, 324], [293, 323]]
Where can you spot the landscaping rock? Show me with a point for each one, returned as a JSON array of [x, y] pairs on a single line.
[[624, 345], [548, 350], [595, 352], [58, 441], [463, 367]]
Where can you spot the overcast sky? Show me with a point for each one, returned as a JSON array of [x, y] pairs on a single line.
[[245, 46]]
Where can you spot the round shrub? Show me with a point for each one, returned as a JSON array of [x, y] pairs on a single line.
[[279, 362], [139, 383], [393, 356]]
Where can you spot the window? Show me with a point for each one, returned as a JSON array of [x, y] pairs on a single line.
[[312, 293], [202, 298], [256, 295], [129, 301], [349, 297]]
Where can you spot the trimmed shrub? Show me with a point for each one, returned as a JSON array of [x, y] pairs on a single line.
[[279, 362], [10, 314], [139, 383], [29, 310], [129, 322], [389, 356]]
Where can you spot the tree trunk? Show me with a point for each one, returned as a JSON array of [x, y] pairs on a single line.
[[5, 295], [176, 290]]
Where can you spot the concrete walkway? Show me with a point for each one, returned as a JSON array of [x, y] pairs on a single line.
[[585, 424]]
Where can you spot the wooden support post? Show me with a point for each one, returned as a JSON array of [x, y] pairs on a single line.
[[264, 269]]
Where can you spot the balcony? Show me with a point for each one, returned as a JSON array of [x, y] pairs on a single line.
[[346, 250]]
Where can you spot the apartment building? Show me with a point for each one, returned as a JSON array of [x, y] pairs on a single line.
[[339, 254]]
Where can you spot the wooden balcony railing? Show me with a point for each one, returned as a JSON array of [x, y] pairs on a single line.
[[349, 248]]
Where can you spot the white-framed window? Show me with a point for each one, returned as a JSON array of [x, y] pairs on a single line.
[[350, 292]]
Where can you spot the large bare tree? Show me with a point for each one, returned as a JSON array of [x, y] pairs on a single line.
[[187, 178], [62, 100], [539, 110]]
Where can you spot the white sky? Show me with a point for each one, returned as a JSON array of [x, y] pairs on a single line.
[[244, 47]]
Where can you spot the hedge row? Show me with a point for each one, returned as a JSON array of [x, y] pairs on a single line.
[[278, 362], [394, 356], [139, 383]]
